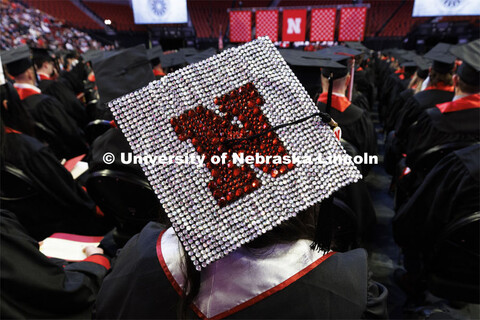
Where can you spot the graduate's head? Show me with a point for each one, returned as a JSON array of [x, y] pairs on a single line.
[[442, 69], [13, 113], [17, 61], [467, 79], [43, 61], [338, 70]]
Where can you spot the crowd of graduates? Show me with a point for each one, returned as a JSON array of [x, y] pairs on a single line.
[[429, 114]]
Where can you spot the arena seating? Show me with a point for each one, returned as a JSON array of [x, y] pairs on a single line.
[[67, 11], [402, 22], [121, 15]]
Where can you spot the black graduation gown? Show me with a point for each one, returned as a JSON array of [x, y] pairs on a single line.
[[416, 104], [395, 109], [365, 85], [68, 140], [435, 128], [450, 191], [34, 286], [357, 127], [112, 141], [74, 108], [61, 205], [138, 288]]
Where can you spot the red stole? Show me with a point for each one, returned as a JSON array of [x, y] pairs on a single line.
[[441, 86], [10, 130], [24, 93], [158, 72], [469, 102], [338, 103], [44, 77]]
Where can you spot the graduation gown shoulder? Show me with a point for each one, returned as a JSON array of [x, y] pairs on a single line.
[[139, 287], [67, 98], [63, 205], [416, 105], [436, 128], [395, 109], [450, 191], [34, 286], [69, 140]]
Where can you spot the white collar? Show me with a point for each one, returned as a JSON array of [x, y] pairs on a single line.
[[26, 86], [460, 96], [338, 94], [256, 275]]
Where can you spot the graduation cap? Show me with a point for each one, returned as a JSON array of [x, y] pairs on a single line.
[[173, 59], [188, 51], [17, 60], [93, 55], [357, 46], [154, 55], [217, 207], [201, 55], [41, 55], [340, 50], [122, 72], [443, 60], [423, 66], [469, 53]]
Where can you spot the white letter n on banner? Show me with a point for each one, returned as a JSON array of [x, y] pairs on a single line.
[[294, 25]]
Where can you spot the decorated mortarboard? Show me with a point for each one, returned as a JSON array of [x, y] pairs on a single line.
[[469, 53], [233, 103], [17, 60], [154, 55], [201, 56], [124, 71], [357, 46], [443, 60], [173, 59]]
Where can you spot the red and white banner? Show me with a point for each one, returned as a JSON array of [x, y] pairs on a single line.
[[294, 25], [266, 22], [240, 26], [323, 24], [352, 24]]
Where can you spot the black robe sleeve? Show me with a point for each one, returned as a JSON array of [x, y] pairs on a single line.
[[74, 108], [451, 190], [34, 286], [396, 108], [50, 112]]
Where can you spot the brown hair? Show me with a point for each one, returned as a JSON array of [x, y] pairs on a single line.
[[437, 77], [468, 88]]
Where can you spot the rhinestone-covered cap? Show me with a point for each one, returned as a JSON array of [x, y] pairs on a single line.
[[214, 209]]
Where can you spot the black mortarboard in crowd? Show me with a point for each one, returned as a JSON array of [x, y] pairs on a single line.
[[201, 55], [443, 60], [188, 51], [17, 60], [41, 55], [469, 53], [342, 50], [423, 66], [154, 55], [124, 71], [357, 46], [173, 59]]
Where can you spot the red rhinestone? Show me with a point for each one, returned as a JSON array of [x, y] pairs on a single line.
[[235, 111], [236, 172], [265, 126], [248, 125], [200, 149], [266, 169], [283, 169], [274, 173], [255, 184], [281, 149], [253, 93], [221, 148], [182, 137], [242, 118], [217, 194], [230, 196], [239, 192], [191, 113], [178, 129], [256, 111], [258, 165], [249, 86], [230, 165], [250, 176], [195, 141], [247, 189], [215, 173], [258, 101], [210, 165], [219, 181], [275, 142], [217, 101], [244, 168], [209, 113], [214, 141], [262, 146], [199, 109], [222, 108], [290, 166], [182, 117], [251, 104], [173, 121], [262, 118], [270, 135], [222, 202], [212, 186]]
